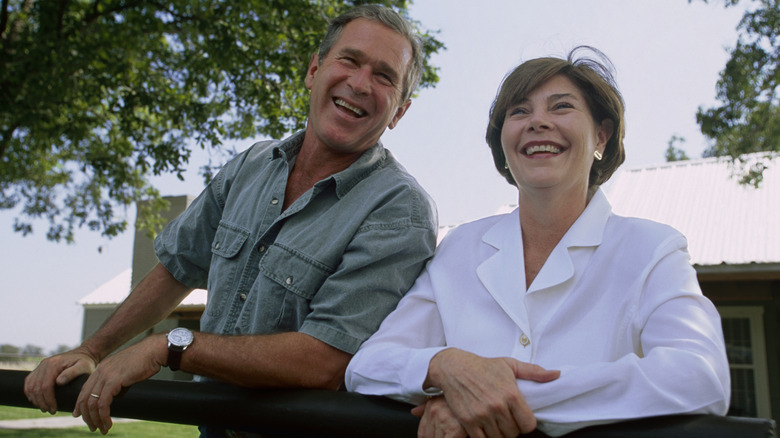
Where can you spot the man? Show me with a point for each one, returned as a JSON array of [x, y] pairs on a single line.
[[304, 244]]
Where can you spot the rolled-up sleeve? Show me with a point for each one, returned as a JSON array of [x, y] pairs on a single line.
[[377, 269]]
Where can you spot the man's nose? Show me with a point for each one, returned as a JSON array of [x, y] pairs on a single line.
[[360, 80]]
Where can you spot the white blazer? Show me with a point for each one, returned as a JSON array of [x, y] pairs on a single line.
[[616, 307]]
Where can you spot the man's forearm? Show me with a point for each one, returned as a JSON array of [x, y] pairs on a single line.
[[284, 360], [155, 297]]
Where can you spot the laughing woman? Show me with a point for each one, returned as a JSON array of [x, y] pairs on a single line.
[[560, 314]]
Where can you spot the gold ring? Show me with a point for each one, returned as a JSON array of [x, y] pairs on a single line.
[[94, 395]]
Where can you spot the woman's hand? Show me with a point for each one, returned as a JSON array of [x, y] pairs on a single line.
[[482, 393], [438, 420], [131, 365]]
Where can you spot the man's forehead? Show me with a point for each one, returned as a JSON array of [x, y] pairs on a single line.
[[364, 28]]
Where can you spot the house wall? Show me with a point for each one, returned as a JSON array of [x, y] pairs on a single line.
[[766, 295], [93, 319], [144, 258]]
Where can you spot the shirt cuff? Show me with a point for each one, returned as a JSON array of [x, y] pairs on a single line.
[[417, 371]]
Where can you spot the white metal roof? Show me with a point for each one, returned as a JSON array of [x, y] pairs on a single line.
[[725, 222], [114, 291]]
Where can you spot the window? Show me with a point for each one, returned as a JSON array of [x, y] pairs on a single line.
[[743, 329]]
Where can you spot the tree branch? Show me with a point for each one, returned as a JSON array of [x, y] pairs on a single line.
[[91, 17], [61, 17], [4, 17], [5, 140]]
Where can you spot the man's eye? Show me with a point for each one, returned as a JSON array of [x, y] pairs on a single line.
[[385, 78]]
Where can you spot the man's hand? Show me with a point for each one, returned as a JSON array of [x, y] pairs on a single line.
[[438, 420], [483, 394], [59, 370], [131, 365]]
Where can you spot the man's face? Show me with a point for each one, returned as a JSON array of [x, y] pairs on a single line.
[[356, 90]]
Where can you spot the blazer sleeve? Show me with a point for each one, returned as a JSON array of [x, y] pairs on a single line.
[[394, 361], [681, 369]]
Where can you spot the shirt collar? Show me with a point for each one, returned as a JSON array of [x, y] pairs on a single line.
[[587, 230], [372, 159], [289, 147]]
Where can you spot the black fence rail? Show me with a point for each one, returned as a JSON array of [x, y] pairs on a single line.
[[326, 414]]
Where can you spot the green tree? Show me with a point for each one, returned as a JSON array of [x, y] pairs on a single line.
[[61, 348], [32, 350], [98, 95], [748, 117], [9, 349], [673, 153]]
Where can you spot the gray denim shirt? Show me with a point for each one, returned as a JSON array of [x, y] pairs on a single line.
[[332, 265]]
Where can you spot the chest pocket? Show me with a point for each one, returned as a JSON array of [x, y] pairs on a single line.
[[294, 271], [225, 248]]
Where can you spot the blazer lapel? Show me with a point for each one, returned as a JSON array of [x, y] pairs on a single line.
[[557, 269], [587, 231], [503, 274]]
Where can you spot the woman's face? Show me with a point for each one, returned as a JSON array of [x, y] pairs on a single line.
[[549, 138]]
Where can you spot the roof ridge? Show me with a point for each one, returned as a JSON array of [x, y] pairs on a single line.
[[706, 160]]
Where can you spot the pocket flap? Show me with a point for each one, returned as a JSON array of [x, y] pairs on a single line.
[[228, 240], [293, 271]]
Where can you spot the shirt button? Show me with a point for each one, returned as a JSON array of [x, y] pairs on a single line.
[[289, 280], [274, 201], [216, 245], [261, 248], [242, 297], [524, 341]]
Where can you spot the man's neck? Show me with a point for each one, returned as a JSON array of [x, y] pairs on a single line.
[[314, 164]]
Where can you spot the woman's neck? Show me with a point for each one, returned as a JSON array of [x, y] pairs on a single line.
[[545, 217]]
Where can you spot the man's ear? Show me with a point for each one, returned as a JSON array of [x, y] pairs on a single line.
[[314, 65], [399, 113]]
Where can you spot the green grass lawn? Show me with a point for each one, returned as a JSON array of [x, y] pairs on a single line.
[[135, 429], [14, 413]]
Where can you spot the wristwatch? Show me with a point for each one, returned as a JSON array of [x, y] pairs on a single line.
[[178, 340]]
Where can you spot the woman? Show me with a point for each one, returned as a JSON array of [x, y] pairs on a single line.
[[560, 312]]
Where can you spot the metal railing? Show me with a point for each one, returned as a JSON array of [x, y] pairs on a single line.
[[325, 414], [303, 413]]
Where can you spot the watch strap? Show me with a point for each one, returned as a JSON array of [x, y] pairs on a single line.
[[174, 358]]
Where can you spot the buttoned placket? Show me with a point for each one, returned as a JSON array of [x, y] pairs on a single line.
[[251, 268]]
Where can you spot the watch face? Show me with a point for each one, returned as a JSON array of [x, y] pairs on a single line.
[[180, 336]]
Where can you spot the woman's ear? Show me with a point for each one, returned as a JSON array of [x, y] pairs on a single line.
[[603, 134]]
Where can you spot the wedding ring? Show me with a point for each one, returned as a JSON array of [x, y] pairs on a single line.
[[94, 395]]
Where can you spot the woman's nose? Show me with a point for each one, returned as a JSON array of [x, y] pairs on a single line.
[[539, 121]]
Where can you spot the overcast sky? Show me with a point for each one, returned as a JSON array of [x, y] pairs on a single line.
[[667, 55]]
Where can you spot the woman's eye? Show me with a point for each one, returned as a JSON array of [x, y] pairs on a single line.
[[562, 105], [518, 111]]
